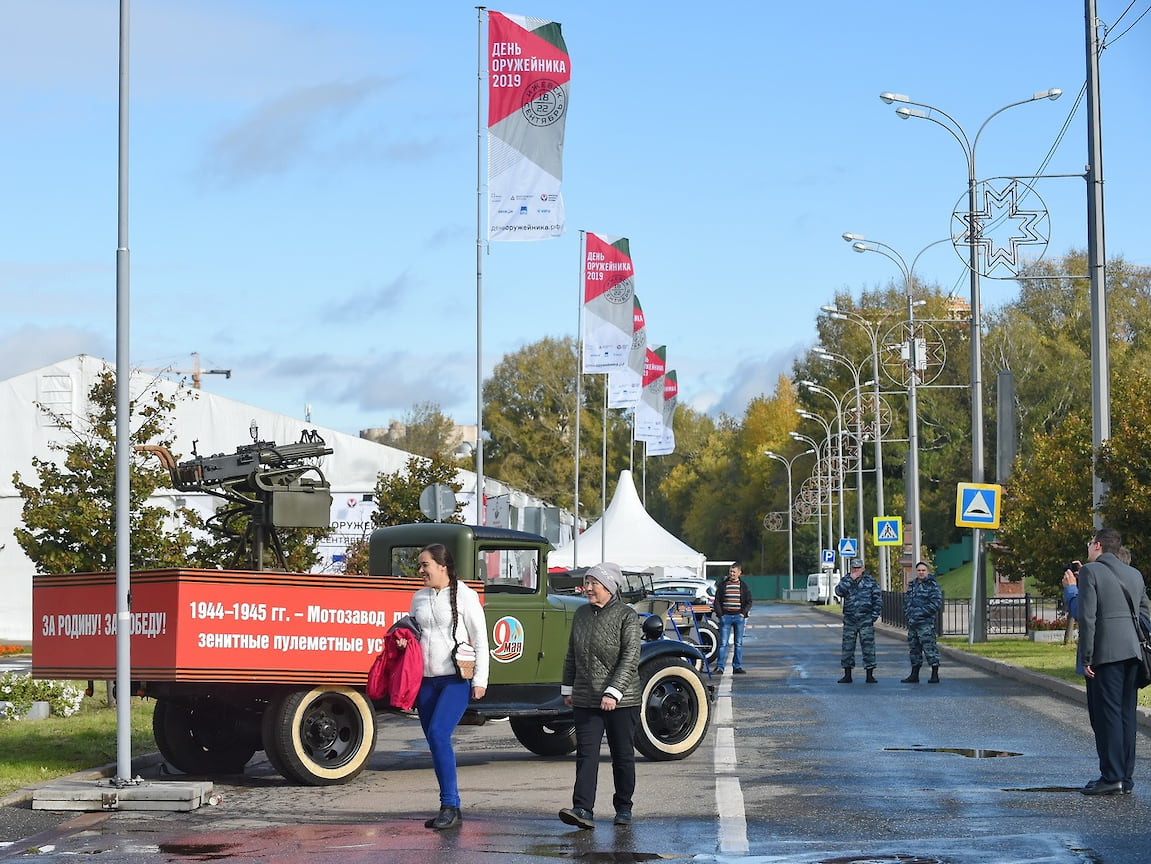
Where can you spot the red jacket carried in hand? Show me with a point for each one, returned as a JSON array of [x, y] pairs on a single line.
[[396, 674]]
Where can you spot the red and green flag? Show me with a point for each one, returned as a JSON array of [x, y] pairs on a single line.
[[609, 303], [529, 79]]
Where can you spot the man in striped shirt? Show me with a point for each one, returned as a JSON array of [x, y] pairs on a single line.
[[732, 606]]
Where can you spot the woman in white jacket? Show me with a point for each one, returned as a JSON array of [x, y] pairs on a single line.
[[449, 613]]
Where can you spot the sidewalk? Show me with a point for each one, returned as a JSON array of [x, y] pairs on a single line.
[[1059, 687]]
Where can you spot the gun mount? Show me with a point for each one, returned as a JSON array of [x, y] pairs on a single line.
[[269, 486]]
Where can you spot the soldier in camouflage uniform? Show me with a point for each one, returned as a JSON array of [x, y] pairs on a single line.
[[862, 605], [921, 604]]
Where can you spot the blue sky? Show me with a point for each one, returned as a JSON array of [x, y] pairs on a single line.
[[303, 180]]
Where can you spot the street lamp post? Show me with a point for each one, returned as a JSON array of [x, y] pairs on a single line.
[[971, 237], [872, 330], [790, 512], [820, 351], [915, 363], [826, 461], [838, 402]]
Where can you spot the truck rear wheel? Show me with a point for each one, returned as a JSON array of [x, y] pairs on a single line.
[[204, 736], [545, 737], [320, 737], [674, 712]]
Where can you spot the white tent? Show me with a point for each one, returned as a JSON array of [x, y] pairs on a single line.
[[629, 536], [214, 425]]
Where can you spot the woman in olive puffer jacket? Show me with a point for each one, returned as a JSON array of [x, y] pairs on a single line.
[[601, 684]]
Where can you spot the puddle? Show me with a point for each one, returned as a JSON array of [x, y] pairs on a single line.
[[199, 851], [969, 752], [884, 859]]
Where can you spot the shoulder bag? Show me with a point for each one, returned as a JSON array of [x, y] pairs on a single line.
[[1141, 633]]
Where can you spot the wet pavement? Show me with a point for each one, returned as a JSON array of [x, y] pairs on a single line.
[[796, 768]]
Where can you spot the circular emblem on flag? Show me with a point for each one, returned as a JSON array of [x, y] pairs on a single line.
[[544, 103], [620, 293]]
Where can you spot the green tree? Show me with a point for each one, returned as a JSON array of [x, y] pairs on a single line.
[[529, 413], [397, 498], [1125, 466], [427, 430], [69, 523], [1046, 506]]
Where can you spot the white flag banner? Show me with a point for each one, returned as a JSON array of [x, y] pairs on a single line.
[[624, 386], [609, 303], [529, 80]]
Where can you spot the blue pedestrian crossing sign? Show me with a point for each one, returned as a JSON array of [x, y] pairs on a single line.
[[887, 530], [828, 556], [977, 505], [848, 548]]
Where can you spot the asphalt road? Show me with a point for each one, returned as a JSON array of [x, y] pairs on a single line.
[[980, 768]]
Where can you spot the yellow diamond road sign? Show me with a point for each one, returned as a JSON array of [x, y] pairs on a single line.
[[977, 505], [887, 530]]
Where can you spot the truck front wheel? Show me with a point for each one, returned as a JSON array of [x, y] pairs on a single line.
[[320, 737], [204, 736], [674, 712], [543, 737]]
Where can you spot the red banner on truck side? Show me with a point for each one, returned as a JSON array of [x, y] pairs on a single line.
[[208, 625]]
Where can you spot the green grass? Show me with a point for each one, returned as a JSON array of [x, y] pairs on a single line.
[[34, 751], [1050, 658]]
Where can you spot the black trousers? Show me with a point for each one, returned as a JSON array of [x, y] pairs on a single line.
[[620, 725], [1111, 699]]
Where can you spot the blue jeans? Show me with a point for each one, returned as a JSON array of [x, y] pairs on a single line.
[[441, 703], [728, 623]]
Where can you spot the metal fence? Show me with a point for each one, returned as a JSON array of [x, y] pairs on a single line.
[[1006, 616]]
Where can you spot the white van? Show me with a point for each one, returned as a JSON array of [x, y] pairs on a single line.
[[821, 585]]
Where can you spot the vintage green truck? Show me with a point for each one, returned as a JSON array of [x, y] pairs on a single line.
[[242, 661]]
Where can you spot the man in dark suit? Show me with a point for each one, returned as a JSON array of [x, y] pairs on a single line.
[[1109, 656]]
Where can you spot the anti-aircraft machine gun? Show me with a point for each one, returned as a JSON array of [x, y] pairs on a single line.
[[269, 486]]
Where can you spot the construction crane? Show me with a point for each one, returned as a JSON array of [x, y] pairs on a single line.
[[195, 371]]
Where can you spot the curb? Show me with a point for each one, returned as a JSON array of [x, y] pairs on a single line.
[[23, 796], [1066, 689]]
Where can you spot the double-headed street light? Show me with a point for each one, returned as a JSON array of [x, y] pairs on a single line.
[[972, 237], [790, 512], [820, 351], [916, 363], [827, 461], [872, 329]]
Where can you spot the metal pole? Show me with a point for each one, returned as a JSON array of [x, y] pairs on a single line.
[[579, 394], [884, 578], [1096, 265], [913, 428], [123, 453], [479, 268]]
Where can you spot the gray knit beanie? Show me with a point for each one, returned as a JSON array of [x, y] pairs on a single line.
[[606, 574]]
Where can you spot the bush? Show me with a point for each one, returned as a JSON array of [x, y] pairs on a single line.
[[1042, 624], [19, 691]]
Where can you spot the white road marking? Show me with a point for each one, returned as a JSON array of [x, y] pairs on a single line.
[[732, 821]]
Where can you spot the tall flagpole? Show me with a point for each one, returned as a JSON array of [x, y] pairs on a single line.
[[579, 393], [480, 515], [603, 479], [123, 436]]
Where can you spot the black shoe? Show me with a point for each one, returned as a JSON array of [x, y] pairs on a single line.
[[846, 679], [1102, 787], [870, 679], [577, 816], [623, 817], [448, 817], [740, 671]]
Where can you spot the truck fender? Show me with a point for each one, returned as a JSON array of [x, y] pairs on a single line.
[[649, 651]]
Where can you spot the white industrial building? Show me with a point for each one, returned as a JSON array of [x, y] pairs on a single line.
[[217, 425]]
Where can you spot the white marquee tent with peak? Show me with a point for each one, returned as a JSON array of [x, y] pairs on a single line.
[[632, 539]]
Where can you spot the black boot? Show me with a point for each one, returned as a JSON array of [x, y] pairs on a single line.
[[934, 679], [846, 679], [870, 676], [913, 678]]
